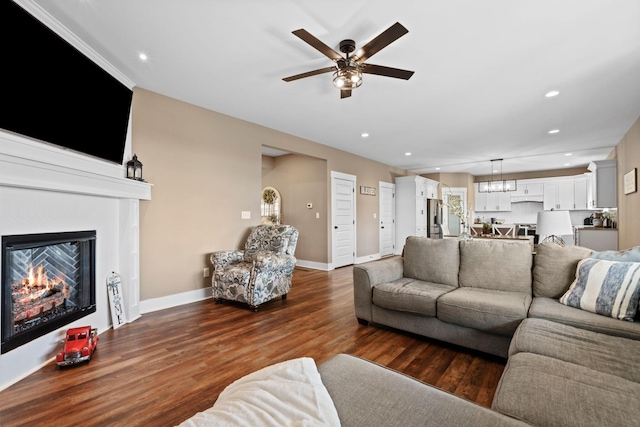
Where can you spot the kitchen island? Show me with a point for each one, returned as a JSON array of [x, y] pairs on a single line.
[[597, 238]]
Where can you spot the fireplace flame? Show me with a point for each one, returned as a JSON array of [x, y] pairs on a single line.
[[37, 285]]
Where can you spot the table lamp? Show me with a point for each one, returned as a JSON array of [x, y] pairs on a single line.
[[554, 224]]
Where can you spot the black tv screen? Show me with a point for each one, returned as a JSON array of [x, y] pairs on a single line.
[[52, 92]]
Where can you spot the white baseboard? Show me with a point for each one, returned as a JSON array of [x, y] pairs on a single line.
[[313, 265], [155, 304], [367, 258]]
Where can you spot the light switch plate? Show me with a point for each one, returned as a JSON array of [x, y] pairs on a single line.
[[246, 214]]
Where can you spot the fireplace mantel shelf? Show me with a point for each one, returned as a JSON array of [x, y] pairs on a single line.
[[43, 168]]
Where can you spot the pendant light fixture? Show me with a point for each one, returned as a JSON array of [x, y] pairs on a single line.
[[497, 183]]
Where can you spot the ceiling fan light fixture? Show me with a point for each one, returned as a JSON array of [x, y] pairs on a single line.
[[348, 75], [347, 79]]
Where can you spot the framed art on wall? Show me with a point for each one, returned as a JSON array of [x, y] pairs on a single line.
[[630, 184]]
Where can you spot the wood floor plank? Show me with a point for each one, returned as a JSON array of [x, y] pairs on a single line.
[[170, 364]]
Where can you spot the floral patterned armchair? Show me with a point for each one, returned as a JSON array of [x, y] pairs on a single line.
[[261, 272]]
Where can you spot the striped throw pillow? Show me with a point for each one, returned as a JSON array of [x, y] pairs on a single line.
[[609, 288]]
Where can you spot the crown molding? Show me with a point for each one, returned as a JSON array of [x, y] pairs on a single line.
[[54, 25]]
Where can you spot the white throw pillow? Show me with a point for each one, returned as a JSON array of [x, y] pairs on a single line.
[[609, 288]]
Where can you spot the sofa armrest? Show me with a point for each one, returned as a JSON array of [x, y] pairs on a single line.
[[367, 276], [367, 394], [221, 259]]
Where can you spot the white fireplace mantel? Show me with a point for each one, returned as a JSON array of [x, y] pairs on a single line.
[[25, 163]]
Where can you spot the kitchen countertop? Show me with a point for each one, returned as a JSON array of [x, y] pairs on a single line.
[[591, 227]]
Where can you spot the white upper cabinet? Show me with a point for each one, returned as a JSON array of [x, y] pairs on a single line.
[[581, 194], [561, 193], [492, 202], [528, 192], [565, 195]]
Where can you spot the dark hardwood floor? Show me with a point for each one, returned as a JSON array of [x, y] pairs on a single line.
[[170, 364]]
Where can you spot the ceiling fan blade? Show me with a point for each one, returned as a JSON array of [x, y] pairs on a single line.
[[309, 74], [317, 44], [345, 93], [387, 37], [386, 71]]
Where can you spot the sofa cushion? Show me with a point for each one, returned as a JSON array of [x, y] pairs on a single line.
[[432, 260], [551, 309], [555, 268], [496, 264], [410, 295], [550, 392], [604, 353], [609, 288], [496, 312]]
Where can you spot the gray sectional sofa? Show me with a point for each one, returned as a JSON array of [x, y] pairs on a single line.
[[475, 293], [566, 366]]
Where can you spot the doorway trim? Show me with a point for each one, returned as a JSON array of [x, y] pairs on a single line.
[[453, 191]]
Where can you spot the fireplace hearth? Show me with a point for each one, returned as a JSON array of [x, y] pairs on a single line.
[[48, 281]]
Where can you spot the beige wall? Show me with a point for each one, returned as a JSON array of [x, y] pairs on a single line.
[[206, 168], [301, 180], [628, 158]]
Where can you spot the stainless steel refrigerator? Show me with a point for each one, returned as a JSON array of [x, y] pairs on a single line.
[[434, 218]]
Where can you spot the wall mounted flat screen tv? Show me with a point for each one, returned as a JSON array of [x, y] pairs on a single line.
[[52, 92]]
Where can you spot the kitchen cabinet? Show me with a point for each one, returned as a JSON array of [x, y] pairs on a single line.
[[597, 238], [426, 188], [565, 195], [603, 184], [498, 201], [528, 192], [412, 193], [580, 194]]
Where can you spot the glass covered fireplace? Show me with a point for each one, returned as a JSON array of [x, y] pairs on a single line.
[[48, 281]]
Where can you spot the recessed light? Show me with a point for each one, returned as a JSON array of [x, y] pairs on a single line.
[[567, 164], [364, 135], [143, 56], [437, 169], [552, 131], [568, 154], [407, 154], [552, 93]]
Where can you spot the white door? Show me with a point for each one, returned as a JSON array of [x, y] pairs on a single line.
[[343, 219], [387, 218]]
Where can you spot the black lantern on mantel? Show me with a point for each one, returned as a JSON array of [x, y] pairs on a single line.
[[134, 169]]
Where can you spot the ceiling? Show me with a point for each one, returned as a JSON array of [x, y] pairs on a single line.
[[482, 70]]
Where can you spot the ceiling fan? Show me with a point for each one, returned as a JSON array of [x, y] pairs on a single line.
[[348, 70]]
